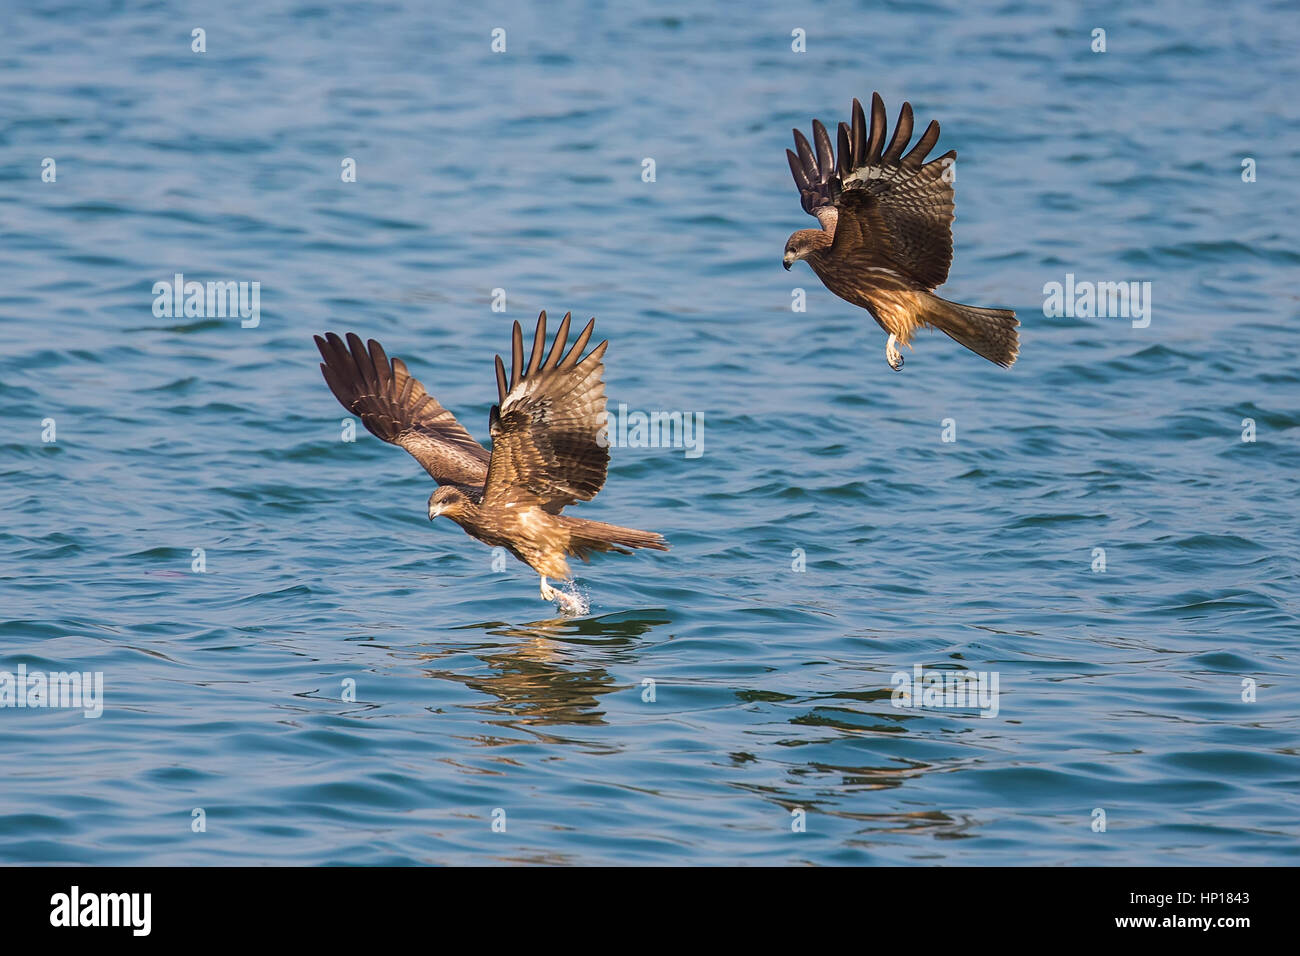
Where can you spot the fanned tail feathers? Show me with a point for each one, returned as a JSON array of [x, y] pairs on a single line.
[[987, 332], [587, 537]]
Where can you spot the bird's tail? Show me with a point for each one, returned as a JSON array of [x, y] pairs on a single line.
[[586, 537], [987, 332]]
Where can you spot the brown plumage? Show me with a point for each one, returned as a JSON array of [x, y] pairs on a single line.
[[885, 241], [548, 449]]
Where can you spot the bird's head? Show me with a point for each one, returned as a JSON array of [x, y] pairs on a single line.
[[802, 244], [447, 500]]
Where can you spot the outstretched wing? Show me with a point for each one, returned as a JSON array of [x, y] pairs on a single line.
[[880, 203], [544, 431], [395, 407]]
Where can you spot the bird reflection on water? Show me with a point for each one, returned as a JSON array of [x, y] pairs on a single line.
[[534, 679]]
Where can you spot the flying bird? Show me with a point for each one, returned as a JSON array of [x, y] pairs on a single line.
[[548, 449], [885, 241]]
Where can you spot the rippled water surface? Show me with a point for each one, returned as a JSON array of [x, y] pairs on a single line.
[[1120, 691]]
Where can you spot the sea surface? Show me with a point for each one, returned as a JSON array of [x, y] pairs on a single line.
[[298, 668]]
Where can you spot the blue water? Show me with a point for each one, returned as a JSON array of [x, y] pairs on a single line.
[[1120, 690]]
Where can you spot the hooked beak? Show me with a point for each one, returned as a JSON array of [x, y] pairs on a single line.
[[434, 511], [788, 261]]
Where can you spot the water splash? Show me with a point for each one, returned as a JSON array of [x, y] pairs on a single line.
[[572, 600]]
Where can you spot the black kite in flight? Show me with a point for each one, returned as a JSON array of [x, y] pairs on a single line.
[[547, 449], [886, 238]]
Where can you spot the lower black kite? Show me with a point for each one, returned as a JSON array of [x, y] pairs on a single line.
[[547, 449], [886, 238]]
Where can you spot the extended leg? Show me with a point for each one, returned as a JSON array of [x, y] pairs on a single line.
[[548, 593], [892, 355]]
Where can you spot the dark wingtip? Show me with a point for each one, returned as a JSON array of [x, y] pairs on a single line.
[[916, 157], [806, 156], [825, 154], [902, 135], [502, 385], [796, 170], [325, 342], [539, 340], [574, 355], [876, 130]]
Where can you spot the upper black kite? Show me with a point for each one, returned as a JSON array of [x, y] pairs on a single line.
[[886, 238]]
